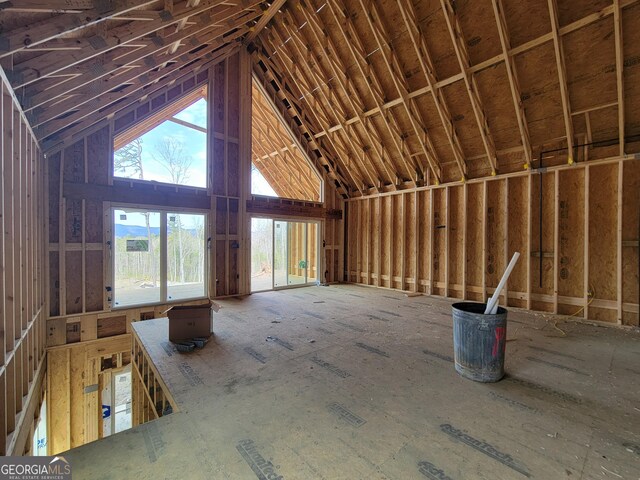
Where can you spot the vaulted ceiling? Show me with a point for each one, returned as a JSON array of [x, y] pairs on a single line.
[[385, 94], [71, 61], [403, 93], [276, 154]]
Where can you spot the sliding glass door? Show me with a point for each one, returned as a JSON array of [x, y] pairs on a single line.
[[294, 253]]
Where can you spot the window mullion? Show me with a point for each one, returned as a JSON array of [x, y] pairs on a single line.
[[163, 256]]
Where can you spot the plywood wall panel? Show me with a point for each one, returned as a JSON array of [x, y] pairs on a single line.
[[439, 252], [94, 281], [396, 226], [385, 244], [571, 239], [603, 206], [502, 217], [74, 279], [99, 146], [630, 236], [410, 240], [542, 239], [455, 231], [474, 242]]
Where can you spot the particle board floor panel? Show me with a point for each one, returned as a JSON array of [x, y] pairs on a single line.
[[358, 383]]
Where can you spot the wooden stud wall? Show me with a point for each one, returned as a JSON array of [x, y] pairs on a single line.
[[81, 189], [151, 397], [75, 378], [456, 240], [230, 132], [22, 285]]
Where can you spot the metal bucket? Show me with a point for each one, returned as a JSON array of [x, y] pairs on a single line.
[[479, 341]]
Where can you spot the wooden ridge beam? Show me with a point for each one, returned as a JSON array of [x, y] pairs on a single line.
[[264, 20], [356, 49], [402, 88], [115, 60], [101, 107], [512, 75], [426, 65], [457, 38], [562, 76], [39, 32], [45, 65]]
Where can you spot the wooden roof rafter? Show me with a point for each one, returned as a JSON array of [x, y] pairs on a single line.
[[137, 75], [190, 73], [333, 140], [283, 166], [272, 137], [101, 102], [35, 34], [383, 41], [457, 38], [512, 75], [264, 20], [527, 46], [617, 26], [353, 137], [115, 61], [330, 161], [425, 61], [88, 48], [562, 76], [359, 55], [352, 144]]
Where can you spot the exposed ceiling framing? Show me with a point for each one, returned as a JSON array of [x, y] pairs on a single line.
[[277, 156], [403, 93], [382, 95], [70, 62]]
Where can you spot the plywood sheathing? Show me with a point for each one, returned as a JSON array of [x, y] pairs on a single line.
[[374, 392], [573, 227], [533, 55]]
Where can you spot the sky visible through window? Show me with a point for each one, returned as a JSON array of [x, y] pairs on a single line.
[[186, 146]]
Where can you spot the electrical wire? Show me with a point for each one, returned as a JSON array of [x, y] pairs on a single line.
[[591, 294]]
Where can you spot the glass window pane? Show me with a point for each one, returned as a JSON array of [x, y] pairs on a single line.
[[185, 256], [136, 257], [170, 152], [261, 254], [297, 253], [280, 254], [312, 253]]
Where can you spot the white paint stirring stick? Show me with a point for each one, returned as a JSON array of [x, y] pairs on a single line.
[[492, 304]]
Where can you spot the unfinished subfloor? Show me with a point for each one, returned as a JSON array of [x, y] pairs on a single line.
[[358, 383]]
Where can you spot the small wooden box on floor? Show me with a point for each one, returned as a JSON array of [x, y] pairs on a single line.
[[191, 321]]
